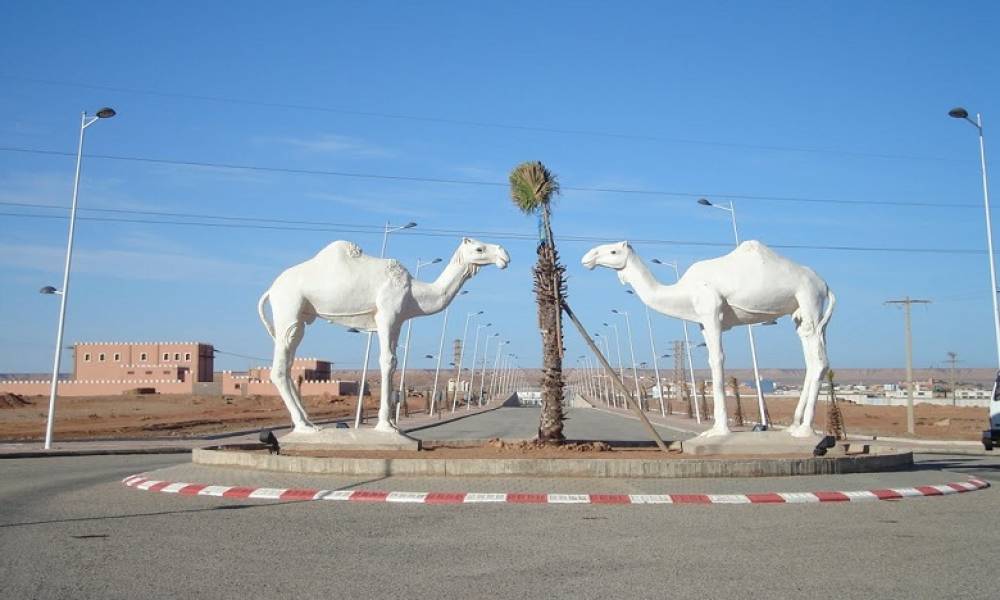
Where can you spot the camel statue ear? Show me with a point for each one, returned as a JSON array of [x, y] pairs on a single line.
[[466, 240], [624, 244]]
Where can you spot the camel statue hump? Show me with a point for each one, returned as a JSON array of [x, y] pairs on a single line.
[[343, 248]]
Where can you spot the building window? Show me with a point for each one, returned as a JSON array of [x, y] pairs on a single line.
[[142, 357], [131, 372], [149, 372], [100, 357], [166, 372], [177, 356], [187, 357], [166, 356], [118, 357], [86, 357]]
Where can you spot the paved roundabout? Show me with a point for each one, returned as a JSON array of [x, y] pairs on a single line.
[[70, 529]]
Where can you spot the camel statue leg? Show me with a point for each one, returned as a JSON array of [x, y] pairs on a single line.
[[712, 331], [388, 337], [286, 341], [814, 349]]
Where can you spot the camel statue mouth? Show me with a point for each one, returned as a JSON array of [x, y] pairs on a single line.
[[589, 262]]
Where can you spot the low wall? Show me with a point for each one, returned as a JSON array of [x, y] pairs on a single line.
[[87, 387], [246, 386]]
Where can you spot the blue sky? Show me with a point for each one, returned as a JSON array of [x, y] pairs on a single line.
[[820, 100]]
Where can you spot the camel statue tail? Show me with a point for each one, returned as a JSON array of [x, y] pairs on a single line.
[[263, 317], [831, 300]]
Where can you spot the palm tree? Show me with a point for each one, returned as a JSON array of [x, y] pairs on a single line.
[[531, 188]]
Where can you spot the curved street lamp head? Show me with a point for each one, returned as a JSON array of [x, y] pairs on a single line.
[[615, 310], [48, 290], [958, 113], [435, 261], [656, 261], [704, 202], [353, 330], [105, 113], [463, 292], [428, 356], [409, 225], [606, 325]]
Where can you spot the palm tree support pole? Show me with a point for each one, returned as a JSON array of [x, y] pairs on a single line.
[[609, 370]]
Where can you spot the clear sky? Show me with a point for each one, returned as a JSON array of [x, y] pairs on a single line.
[[770, 104]]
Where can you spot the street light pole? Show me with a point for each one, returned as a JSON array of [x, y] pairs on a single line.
[[406, 344], [607, 384], [437, 369], [482, 375], [687, 339], [621, 367], [368, 344], [472, 367], [104, 113], [961, 113], [631, 351], [461, 359], [656, 363], [753, 346]]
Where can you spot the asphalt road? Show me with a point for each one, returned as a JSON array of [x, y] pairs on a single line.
[[522, 423], [69, 529]]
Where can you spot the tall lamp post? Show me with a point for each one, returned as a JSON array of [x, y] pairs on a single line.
[[482, 376], [406, 344], [607, 384], [461, 359], [631, 351], [687, 340], [621, 368], [992, 436], [437, 369], [85, 122], [731, 209], [368, 344], [656, 363], [472, 367]]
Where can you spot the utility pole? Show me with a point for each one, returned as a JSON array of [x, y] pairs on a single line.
[[906, 303], [953, 358]]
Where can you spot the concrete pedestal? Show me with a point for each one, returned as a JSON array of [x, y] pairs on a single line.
[[751, 443], [348, 439]]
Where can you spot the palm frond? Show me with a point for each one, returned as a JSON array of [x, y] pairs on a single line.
[[532, 186]]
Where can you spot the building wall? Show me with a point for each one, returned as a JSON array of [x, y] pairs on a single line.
[[118, 360], [97, 387], [252, 385]]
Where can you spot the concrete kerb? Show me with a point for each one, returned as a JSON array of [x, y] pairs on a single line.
[[142, 482], [559, 467]]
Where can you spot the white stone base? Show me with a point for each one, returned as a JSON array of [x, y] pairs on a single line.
[[751, 443], [348, 439]]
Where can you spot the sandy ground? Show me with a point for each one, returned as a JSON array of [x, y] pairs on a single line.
[[932, 422], [185, 415], [162, 415]]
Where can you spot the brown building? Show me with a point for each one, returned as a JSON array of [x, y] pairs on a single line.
[[182, 361]]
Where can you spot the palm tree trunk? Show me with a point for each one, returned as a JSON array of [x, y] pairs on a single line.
[[549, 288]]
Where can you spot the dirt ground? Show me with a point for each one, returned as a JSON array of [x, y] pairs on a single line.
[[23, 418], [932, 422], [155, 415]]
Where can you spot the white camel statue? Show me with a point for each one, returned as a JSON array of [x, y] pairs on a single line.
[[751, 284], [344, 286]]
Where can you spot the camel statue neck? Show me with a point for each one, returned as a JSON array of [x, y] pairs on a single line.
[[436, 296], [666, 299]]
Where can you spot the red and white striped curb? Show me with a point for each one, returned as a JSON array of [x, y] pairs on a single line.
[[288, 494]]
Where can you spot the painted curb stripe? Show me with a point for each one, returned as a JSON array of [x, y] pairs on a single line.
[[298, 494]]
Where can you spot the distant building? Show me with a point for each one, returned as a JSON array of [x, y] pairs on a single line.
[[311, 376], [108, 368]]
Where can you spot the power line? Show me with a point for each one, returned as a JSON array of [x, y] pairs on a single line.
[[499, 235], [442, 180], [474, 123]]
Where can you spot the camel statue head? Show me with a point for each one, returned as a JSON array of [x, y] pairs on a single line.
[[613, 256], [475, 254]]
